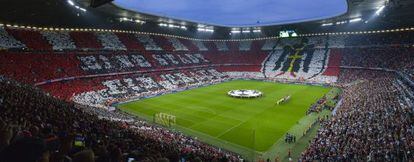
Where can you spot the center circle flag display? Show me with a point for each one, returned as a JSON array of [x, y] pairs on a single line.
[[245, 93]]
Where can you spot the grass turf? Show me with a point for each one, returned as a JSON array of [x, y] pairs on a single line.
[[250, 124]]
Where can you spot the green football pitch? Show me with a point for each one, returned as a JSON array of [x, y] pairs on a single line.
[[240, 125]]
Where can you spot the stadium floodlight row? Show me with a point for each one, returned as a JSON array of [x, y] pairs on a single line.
[[196, 39]]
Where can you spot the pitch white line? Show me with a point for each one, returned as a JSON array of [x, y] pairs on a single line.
[[228, 130]]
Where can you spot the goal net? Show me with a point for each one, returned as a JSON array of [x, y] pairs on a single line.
[[164, 119]]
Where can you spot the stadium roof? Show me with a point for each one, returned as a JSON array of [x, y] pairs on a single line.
[[62, 14], [238, 13]]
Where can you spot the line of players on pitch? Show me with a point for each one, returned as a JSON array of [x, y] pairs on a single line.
[[283, 100]]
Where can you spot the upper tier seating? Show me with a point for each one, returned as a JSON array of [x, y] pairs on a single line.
[[282, 43], [7, 41], [164, 43], [110, 41], [148, 42], [189, 45], [200, 45], [178, 46], [318, 41], [59, 40], [396, 58], [233, 45], [31, 38], [104, 68], [393, 38], [85, 40], [245, 45], [269, 44], [337, 41], [221, 46], [211, 46], [257, 45], [271, 58], [130, 41], [34, 68]]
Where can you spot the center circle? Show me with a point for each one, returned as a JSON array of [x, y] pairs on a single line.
[[245, 93]]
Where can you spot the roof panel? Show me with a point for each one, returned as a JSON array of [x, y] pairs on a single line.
[[239, 13]]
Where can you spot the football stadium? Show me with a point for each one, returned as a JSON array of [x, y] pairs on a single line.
[[206, 81]]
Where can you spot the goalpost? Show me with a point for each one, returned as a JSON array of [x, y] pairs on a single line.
[[164, 119]]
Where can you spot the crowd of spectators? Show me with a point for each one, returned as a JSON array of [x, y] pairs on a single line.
[[110, 41], [85, 40], [200, 45], [135, 86], [37, 127], [395, 58], [373, 123], [245, 45], [178, 46], [7, 41], [318, 106], [348, 76], [59, 40], [383, 39], [221, 46], [148, 42], [32, 39], [269, 44], [409, 72]]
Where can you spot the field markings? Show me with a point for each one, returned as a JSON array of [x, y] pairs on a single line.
[[197, 97], [213, 119], [187, 129], [180, 113], [228, 130], [251, 117]]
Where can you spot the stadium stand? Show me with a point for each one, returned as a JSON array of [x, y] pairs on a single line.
[[164, 43], [211, 46], [67, 122], [315, 62], [148, 42], [130, 41], [97, 69], [85, 40], [178, 46], [233, 46], [191, 46], [318, 41], [334, 63], [200, 45], [110, 41], [257, 45], [33, 68], [269, 44], [245, 45], [139, 86], [59, 40], [221, 46], [370, 125], [31, 38], [7, 41]]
